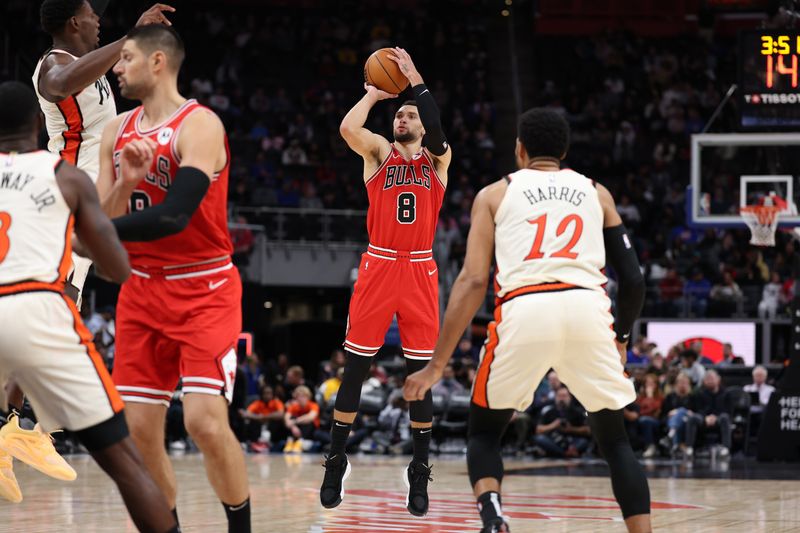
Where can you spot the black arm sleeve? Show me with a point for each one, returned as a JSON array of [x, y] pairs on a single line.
[[630, 294], [170, 216], [431, 120]]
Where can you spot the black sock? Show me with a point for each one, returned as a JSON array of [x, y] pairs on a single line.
[[177, 522], [27, 420], [489, 506], [422, 444], [339, 434], [238, 517]]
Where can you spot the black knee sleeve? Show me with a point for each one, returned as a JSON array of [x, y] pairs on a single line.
[[627, 475], [486, 427], [420, 410], [98, 438], [355, 372]]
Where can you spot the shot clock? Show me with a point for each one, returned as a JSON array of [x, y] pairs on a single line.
[[769, 79]]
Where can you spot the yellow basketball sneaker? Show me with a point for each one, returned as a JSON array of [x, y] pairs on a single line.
[[9, 489], [35, 448]]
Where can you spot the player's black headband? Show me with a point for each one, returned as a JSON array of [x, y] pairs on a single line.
[[99, 6]]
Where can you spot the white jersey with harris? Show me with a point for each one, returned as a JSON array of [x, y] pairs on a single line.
[[75, 124], [552, 310], [549, 229]]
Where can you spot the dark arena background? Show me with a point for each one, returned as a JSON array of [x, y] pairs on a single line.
[[688, 111]]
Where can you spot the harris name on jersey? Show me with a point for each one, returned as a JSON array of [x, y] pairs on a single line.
[[564, 194]]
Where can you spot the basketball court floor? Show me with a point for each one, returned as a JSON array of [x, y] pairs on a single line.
[[546, 496]]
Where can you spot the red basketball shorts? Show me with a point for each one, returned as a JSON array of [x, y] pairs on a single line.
[[181, 325], [389, 283]]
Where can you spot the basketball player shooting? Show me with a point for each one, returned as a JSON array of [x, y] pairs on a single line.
[[179, 315], [405, 183], [50, 352], [551, 230], [77, 103]]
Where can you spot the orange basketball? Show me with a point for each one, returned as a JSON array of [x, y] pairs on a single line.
[[384, 73]]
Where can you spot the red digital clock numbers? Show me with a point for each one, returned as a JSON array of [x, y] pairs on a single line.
[[781, 68], [769, 85], [786, 48]]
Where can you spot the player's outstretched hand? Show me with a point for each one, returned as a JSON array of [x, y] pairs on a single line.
[[403, 60], [419, 383], [377, 93], [155, 15], [137, 157]]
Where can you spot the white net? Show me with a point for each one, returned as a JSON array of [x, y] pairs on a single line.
[[763, 222]]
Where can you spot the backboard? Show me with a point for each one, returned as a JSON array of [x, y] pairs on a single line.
[[732, 170]]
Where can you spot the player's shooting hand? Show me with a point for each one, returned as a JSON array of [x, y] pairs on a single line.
[[403, 60], [136, 159], [622, 348], [377, 94], [419, 383], [155, 15]]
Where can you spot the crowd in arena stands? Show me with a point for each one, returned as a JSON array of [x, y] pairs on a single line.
[[682, 405], [633, 103]]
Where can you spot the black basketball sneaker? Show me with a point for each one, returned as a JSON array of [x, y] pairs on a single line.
[[337, 469], [416, 477], [498, 525]]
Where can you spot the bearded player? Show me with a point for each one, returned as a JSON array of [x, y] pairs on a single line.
[[77, 103], [405, 183], [179, 315]]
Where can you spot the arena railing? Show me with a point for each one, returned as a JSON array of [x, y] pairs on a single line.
[[299, 225]]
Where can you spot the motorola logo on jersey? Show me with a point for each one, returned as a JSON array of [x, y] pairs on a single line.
[[402, 175], [165, 135]]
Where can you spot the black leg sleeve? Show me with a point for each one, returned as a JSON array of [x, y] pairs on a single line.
[[486, 428], [627, 475], [420, 410], [355, 372]]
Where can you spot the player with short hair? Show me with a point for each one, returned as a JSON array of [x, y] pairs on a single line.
[[50, 353], [179, 316], [73, 91], [551, 230], [77, 103], [405, 182]]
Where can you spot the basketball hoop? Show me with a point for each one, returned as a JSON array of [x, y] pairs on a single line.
[[762, 221]]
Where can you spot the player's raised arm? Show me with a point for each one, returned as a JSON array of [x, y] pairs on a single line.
[[201, 145], [622, 257], [61, 75], [372, 147], [93, 227], [429, 114], [468, 291]]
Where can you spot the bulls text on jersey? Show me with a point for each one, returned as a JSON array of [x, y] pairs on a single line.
[[402, 175]]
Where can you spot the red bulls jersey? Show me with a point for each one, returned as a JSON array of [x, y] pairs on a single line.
[[206, 238], [404, 202]]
